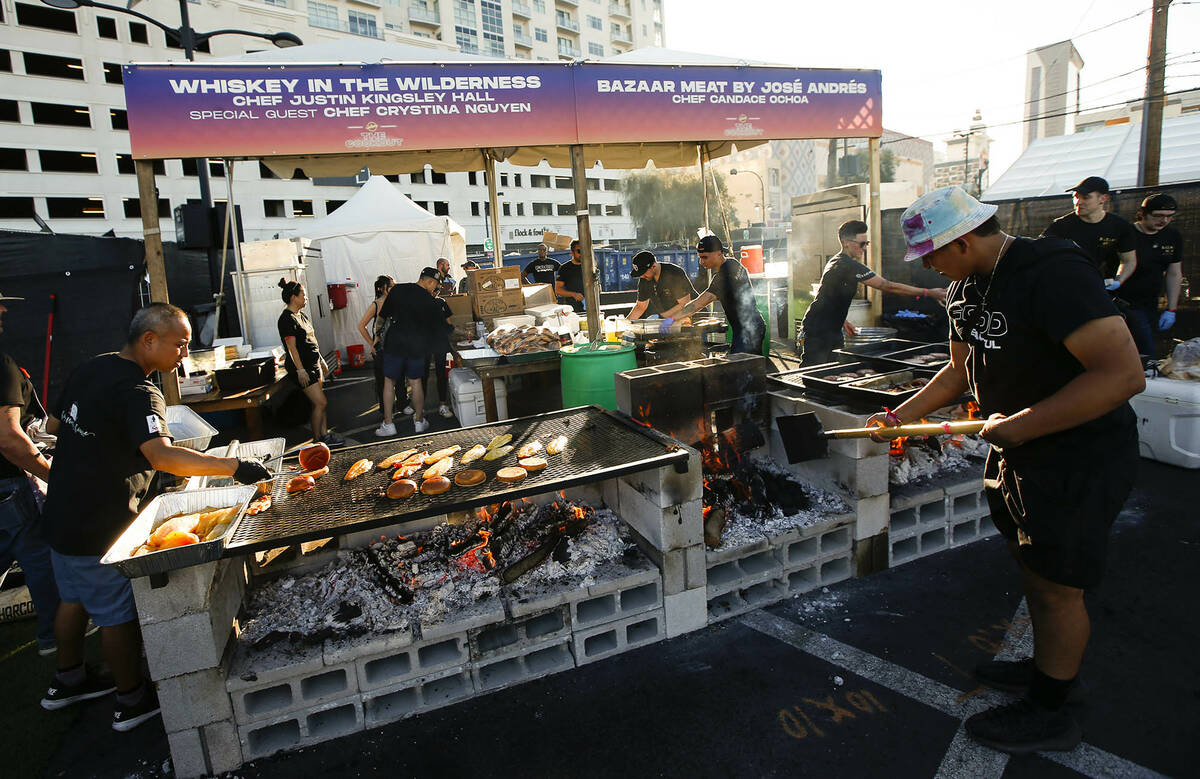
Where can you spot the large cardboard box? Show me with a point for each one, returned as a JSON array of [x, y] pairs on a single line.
[[538, 295], [496, 291], [460, 305]]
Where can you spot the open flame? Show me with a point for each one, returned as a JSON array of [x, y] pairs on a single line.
[[973, 410]]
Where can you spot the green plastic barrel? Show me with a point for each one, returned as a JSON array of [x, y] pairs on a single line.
[[587, 373]]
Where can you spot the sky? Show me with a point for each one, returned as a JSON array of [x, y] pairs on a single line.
[[943, 59]]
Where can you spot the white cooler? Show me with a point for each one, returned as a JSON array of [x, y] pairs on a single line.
[[1168, 415], [466, 397]]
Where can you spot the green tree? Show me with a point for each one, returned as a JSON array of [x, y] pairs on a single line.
[[670, 206], [887, 168]]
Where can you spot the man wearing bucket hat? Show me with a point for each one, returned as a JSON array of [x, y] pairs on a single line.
[[1053, 372], [662, 286], [825, 320], [731, 286], [1106, 238], [1159, 253], [22, 536]]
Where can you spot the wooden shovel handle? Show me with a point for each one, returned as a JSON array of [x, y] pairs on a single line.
[[962, 427]]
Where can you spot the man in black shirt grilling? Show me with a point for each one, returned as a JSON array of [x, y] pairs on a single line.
[[1054, 373], [662, 286], [825, 321], [730, 286]]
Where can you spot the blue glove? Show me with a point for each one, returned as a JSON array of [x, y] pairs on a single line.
[[1167, 320], [665, 325], [1115, 284]]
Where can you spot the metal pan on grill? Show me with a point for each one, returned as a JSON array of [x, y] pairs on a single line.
[[927, 356], [889, 389], [169, 505], [876, 348]]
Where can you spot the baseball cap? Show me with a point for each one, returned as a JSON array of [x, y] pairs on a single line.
[[1089, 185], [641, 263], [709, 243], [470, 265], [4, 297], [428, 273], [1156, 202], [940, 216]]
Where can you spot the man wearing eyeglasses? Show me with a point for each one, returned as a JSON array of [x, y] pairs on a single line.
[[825, 321], [1159, 253]]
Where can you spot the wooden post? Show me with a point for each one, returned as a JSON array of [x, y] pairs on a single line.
[[155, 267], [1150, 150], [875, 224], [591, 290], [493, 208]]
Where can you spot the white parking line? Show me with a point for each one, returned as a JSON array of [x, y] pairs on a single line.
[[1084, 759]]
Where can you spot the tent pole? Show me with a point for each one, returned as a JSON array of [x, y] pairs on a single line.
[[591, 290], [231, 234], [703, 181], [876, 228], [155, 267], [493, 207]]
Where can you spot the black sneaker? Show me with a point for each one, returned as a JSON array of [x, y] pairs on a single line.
[[60, 695], [1023, 727], [1008, 675], [129, 717], [333, 441]]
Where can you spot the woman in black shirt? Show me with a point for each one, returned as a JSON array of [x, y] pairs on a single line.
[[303, 357], [374, 337]]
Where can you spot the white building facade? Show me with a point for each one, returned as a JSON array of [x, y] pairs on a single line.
[[65, 153]]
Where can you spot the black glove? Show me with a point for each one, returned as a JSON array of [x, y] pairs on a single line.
[[251, 472]]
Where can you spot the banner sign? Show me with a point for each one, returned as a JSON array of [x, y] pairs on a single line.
[[213, 110]]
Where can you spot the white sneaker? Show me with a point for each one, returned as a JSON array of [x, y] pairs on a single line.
[[420, 425], [385, 430], [408, 411], [445, 411]]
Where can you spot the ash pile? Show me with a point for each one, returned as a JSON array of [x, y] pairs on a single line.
[[746, 497], [448, 572], [916, 460]]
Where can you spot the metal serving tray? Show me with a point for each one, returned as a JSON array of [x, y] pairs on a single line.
[[815, 377], [877, 348], [872, 388], [905, 357], [270, 450], [603, 444], [168, 505]]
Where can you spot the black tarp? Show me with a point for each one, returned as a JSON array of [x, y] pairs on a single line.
[[95, 283]]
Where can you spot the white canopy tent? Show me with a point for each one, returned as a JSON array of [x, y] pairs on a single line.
[[380, 232]]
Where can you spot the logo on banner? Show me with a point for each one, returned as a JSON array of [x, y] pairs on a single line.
[[743, 127], [372, 137]]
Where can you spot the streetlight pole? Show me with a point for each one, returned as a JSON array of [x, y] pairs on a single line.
[[966, 157], [762, 187]]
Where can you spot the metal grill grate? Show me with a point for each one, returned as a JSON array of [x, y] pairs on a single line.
[[602, 446]]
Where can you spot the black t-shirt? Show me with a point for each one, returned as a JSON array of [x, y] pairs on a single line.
[[673, 283], [1102, 241], [417, 319], [1041, 292], [571, 275], [441, 335], [731, 285], [297, 325], [107, 410], [1154, 254], [543, 271], [839, 285], [15, 390]]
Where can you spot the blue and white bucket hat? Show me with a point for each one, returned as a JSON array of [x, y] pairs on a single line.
[[940, 216]]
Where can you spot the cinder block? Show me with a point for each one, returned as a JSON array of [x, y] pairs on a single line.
[[531, 662], [187, 754], [337, 651], [674, 571], [223, 746], [743, 572], [637, 593], [667, 397], [280, 663], [803, 579], [697, 567], [863, 477], [967, 503], [870, 516], [970, 482], [514, 635], [196, 641], [871, 554], [302, 691], [904, 499], [964, 531], [739, 601], [266, 738], [613, 638], [458, 621], [194, 699], [675, 526], [391, 668], [732, 377], [398, 701], [934, 540], [685, 612], [665, 486], [903, 550], [186, 592], [367, 537], [734, 552], [333, 720], [837, 569]]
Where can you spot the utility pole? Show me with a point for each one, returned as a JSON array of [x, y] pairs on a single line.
[[1150, 149]]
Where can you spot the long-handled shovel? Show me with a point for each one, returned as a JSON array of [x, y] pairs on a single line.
[[805, 439]]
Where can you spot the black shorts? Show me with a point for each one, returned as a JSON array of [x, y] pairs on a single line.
[[1060, 513]]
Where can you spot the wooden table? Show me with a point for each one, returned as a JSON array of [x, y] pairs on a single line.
[[251, 401], [489, 373]]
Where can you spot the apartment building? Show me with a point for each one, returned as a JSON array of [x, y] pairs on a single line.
[[64, 152]]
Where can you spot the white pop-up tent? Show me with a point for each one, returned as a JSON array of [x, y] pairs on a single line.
[[380, 232]]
